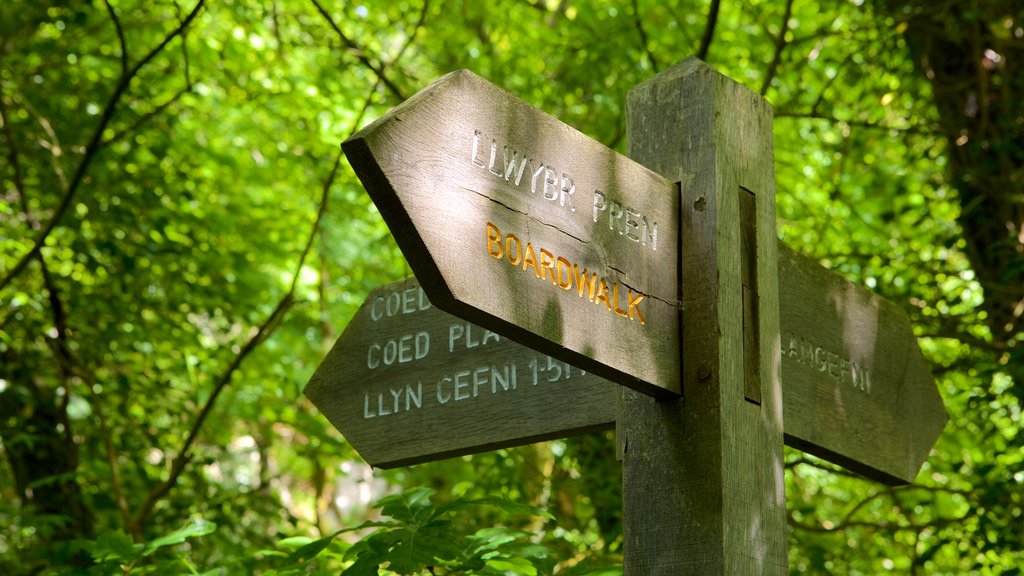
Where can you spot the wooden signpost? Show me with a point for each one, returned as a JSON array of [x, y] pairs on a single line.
[[667, 279]]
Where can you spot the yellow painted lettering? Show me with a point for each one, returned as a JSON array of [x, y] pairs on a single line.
[[615, 298], [493, 240], [564, 269], [509, 240], [633, 306], [602, 294], [585, 283], [530, 259], [547, 266]]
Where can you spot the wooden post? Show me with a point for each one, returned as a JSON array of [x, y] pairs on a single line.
[[703, 489]]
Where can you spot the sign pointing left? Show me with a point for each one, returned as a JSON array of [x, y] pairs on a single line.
[[406, 383], [521, 224]]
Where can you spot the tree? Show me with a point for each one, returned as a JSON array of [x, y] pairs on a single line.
[[181, 243]]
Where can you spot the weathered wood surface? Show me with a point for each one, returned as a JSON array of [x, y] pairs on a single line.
[[703, 489], [856, 389], [519, 223], [408, 383]]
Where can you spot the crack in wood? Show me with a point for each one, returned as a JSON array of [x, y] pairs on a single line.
[[526, 215]]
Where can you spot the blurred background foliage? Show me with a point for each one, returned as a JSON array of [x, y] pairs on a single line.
[[181, 243]]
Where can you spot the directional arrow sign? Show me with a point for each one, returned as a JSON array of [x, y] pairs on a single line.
[[407, 383], [521, 224], [855, 388]]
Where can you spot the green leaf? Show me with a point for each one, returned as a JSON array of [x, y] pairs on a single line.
[[196, 528], [313, 549], [115, 545]]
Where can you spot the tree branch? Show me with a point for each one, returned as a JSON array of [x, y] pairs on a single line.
[[709, 30], [120, 37], [54, 146], [848, 521], [415, 32], [643, 35], [141, 120], [184, 455], [859, 123], [65, 359], [93, 147], [780, 45], [359, 52], [13, 156], [108, 447]]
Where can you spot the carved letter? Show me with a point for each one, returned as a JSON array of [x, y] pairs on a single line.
[[634, 306], [530, 259], [599, 204], [493, 240], [547, 266], [476, 149]]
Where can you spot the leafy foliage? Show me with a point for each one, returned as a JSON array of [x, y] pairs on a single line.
[[179, 248], [421, 537]]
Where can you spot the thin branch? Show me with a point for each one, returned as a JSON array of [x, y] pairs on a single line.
[[120, 37], [849, 522], [93, 147], [65, 358], [108, 447], [184, 455], [967, 339], [264, 331], [830, 82], [709, 30], [53, 144], [780, 46], [415, 32], [859, 123], [820, 465], [141, 120], [643, 35], [13, 154], [885, 527], [359, 52]]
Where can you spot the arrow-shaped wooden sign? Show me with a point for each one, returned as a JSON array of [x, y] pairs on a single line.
[[519, 223], [407, 383], [856, 389]]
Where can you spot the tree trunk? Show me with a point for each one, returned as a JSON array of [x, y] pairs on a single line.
[[973, 56]]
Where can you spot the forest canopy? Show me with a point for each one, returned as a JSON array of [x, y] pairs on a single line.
[[182, 241]]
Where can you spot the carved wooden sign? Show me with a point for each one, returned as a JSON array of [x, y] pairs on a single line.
[[527, 230], [519, 223], [408, 383], [856, 389]]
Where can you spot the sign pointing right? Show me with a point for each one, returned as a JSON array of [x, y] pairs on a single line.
[[856, 390]]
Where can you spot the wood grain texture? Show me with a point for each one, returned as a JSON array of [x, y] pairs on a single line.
[[462, 164], [857, 390], [703, 490], [407, 383]]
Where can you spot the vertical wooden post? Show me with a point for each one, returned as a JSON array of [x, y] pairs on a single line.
[[703, 489]]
